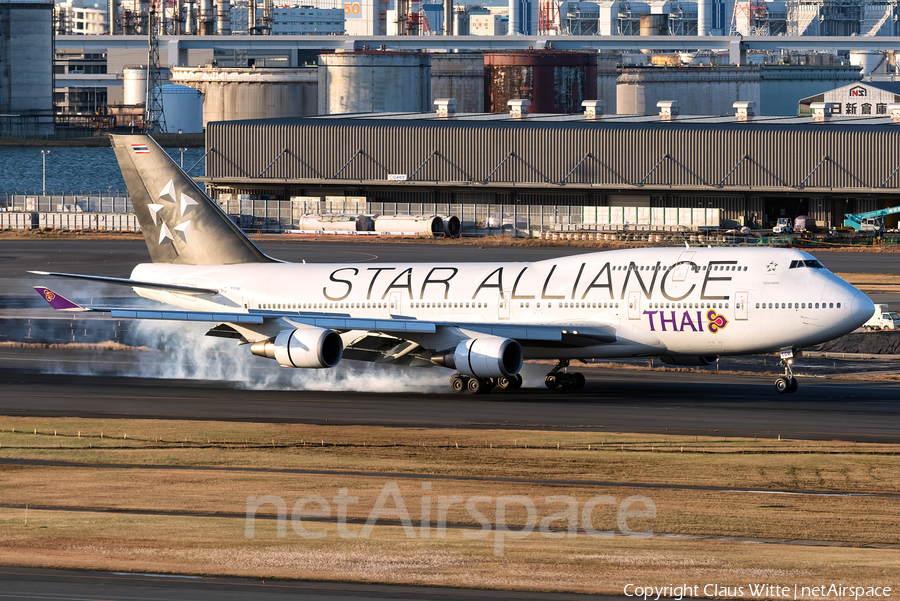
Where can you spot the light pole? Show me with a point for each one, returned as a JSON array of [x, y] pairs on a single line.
[[44, 154], [182, 154]]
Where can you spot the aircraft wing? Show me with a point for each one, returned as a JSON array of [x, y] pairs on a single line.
[[400, 328]]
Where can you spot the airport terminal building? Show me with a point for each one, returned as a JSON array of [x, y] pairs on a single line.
[[754, 170]]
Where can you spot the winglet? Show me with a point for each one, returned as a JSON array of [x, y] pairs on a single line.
[[57, 301]]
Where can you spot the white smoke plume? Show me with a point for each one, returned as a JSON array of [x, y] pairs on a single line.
[[186, 353]]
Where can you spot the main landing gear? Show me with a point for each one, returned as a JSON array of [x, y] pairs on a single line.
[[460, 383], [787, 384], [565, 380]]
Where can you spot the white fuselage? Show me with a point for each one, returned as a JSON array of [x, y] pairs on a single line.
[[660, 301]]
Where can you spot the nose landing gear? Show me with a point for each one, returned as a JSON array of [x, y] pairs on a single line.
[[565, 380], [786, 384]]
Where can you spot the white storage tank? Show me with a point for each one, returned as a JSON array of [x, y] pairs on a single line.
[[869, 61], [335, 223], [425, 226], [231, 94], [134, 85], [183, 109], [374, 82]]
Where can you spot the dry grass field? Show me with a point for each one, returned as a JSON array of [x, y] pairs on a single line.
[[171, 496]]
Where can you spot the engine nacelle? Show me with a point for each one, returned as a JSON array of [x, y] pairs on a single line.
[[687, 360], [303, 347], [489, 357]]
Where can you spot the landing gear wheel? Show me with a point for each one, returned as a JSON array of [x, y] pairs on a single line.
[[480, 385], [793, 385], [551, 381], [505, 383], [567, 381], [579, 381], [516, 382], [782, 385], [458, 383]]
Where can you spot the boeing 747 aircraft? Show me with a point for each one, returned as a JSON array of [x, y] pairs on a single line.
[[685, 306]]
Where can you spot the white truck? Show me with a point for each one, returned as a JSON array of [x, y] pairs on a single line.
[[785, 225], [883, 319]]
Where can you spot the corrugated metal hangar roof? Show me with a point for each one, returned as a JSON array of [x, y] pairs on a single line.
[[561, 151]]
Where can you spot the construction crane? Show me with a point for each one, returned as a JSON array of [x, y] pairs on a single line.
[[154, 119], [872, 221]]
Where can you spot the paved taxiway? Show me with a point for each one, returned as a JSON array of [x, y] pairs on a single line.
[[62, 585]]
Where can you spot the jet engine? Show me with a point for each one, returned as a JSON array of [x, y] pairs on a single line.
[[304, 347], [688, 360], [489, 357]]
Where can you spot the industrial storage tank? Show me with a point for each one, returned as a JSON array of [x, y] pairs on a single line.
[[374, 82], [459, 76], [698, 90], [183, 109], [554, 81], [869, 61], [134, 85], [425, 226], [231, 94]]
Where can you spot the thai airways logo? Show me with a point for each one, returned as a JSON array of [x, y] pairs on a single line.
[[140, 149], [716, 321], [49, 295]]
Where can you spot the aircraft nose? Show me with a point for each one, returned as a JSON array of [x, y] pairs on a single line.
[[861, 308]]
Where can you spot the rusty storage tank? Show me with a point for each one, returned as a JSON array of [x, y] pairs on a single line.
[[652, 25], [554, 81]]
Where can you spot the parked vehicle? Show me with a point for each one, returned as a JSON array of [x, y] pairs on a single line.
[[785, 225], [883, 319]]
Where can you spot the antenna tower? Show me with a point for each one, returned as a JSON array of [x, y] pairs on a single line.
[[154, 119]]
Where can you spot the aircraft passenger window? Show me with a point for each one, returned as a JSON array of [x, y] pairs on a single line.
[[804, 305], [839, 305], [726, 305], [757, 305], [817, 305], [617, 305], [527, 305], [831, 305]]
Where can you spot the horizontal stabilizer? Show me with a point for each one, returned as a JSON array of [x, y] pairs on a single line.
[[57, 301], [133, 283]]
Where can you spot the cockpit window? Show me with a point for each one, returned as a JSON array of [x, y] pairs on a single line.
[[810, 263]]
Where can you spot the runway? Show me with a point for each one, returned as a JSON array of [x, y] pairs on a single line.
[[682, 403]]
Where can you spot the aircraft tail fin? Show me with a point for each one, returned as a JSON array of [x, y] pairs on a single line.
[[180, 223]]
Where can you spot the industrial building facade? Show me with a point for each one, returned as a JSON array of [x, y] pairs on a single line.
[[755, 172]]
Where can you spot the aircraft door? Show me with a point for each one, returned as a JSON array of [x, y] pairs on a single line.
[[740, 305], [395, 303], [680, 272], [634, 305], [504, 308]]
